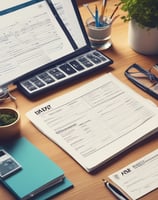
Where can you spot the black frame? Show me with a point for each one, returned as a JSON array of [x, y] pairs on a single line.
[[151, 77]]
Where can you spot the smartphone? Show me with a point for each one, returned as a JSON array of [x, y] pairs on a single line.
[[8, 165]]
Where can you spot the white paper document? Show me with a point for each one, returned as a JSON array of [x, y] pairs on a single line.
[[70, 20], [138, 178], [30, 38], [97, 121], [11, 3]]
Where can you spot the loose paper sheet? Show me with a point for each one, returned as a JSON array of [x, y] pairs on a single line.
[[97, 121], [140, 177]]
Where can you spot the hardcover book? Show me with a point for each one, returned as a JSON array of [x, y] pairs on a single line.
[[39, 177]]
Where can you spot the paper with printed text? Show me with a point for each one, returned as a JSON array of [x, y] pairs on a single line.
[[97, 121], [140, 177]]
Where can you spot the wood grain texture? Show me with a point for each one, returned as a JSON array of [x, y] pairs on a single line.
[[90, 186]]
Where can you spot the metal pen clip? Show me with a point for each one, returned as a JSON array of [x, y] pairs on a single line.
[[115, 191]]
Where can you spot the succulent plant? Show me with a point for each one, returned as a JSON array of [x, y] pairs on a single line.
[[7, 118]]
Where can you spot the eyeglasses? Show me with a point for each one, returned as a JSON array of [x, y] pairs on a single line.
[[147, 80]]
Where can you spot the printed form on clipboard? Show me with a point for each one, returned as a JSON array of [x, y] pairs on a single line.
[[97, 121]]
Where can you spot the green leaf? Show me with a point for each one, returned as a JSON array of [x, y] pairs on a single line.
[[145, 12]]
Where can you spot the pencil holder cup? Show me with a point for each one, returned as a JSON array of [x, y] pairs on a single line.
[[100, 37], [9, 123]]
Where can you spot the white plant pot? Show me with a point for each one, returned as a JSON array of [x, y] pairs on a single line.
[[142, 39]]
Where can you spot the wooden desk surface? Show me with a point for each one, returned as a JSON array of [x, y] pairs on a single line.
[[90, 186]]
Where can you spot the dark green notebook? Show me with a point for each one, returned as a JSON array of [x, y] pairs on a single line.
[[39, 179]]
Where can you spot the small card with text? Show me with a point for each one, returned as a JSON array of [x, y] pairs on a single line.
[[138, 178]]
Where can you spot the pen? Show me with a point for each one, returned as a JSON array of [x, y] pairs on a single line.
[[87, 6], [96, 17], [115, 191]]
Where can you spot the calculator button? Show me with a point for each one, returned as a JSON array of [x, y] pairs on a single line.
[[46, 78], [37, 82], [76, 65], [85, 62], [56, 73], [27, 84], [67, 69], [94, 59], [99, 55]]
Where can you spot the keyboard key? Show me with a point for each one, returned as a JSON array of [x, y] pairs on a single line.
[[56, 73], [46, 78], [94, 59], [76, 65], [99, 55], [37, 82], [62, 72], [29, 85], [67, 69], [85, 61]]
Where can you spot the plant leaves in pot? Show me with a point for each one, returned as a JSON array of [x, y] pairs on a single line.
[[143, 25], [9, 123]]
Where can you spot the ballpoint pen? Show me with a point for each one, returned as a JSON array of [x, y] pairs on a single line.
[[117, 193]]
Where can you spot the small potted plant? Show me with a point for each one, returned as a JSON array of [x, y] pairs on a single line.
[[9, 123], [143, 24]]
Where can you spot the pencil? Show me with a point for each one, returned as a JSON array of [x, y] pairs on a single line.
[[87, 6], [117, 6], [103, 10]]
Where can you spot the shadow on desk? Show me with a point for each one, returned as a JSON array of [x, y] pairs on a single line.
[[126, 153]]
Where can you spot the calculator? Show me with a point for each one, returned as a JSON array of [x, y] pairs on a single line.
[[8, 165]]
